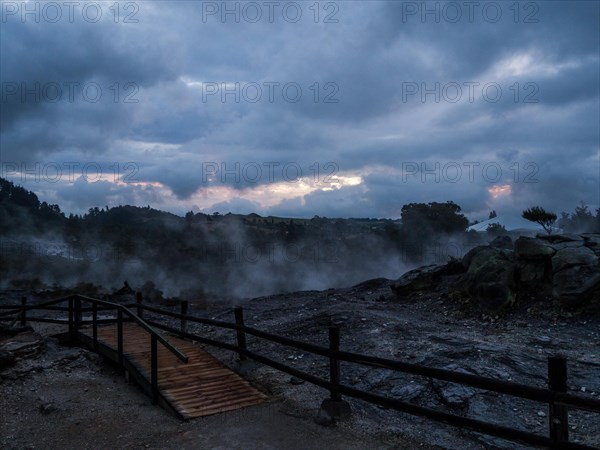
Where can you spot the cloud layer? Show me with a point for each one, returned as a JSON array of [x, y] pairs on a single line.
[[349, 109]]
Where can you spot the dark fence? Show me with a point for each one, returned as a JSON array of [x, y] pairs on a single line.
[[555, 395], [74, 322]]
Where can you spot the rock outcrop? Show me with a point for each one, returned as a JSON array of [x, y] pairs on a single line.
[[489, 278], [563, 267], [423, 278], [16, 343], [533, 264]]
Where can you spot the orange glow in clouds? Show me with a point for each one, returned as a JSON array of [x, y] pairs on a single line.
[[500, 190]]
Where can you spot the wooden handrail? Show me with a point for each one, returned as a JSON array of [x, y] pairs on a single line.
[[141, 322], [19, 308], [399, 405], [503, 387], [110, 305]]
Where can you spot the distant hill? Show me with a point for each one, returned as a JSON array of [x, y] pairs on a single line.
[[225, 254], [21, 211]]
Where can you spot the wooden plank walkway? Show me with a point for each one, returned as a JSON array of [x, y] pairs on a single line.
[[201, 387]]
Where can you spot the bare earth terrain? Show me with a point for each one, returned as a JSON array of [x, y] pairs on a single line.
[[64, 397]]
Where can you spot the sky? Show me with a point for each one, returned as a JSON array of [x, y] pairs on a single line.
[[296, 109]]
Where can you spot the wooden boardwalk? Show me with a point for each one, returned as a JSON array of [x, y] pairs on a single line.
[[201, 387]]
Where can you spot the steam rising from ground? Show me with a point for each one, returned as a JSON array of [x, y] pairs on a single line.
[[228, 261]]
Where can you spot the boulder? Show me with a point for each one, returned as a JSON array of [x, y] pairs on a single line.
[[482, 255], [415, 280], [574, 285], [502, 242], [533, 275], [533, 264], [466, 260], [576, 271], [577, 256], [533, 249], [560, 238], [567, 244], [424, 278], [592, 241], [489, 279]]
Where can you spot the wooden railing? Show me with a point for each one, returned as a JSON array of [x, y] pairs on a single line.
[[74, 322], [555, 395]]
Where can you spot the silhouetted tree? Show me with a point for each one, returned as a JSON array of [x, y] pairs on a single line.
[[189, 218], [496, 229], [540, 216], [433, 218], [581, 221]]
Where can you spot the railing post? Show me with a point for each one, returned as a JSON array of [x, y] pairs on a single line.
[[120, 335], [184, 310], [138, 300], [154, 367], [95, 325], [558, 414], [77, 313], [334, 407], [334, 363], [23, 311], [71, 320], [241, 336]]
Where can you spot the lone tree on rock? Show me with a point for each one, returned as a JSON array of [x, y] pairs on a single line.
[[540, 216]]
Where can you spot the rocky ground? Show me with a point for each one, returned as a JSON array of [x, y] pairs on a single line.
[[67, 397], [430, 329]]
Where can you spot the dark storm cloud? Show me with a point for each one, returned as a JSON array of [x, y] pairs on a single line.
[[56, 63], [362, 65]]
